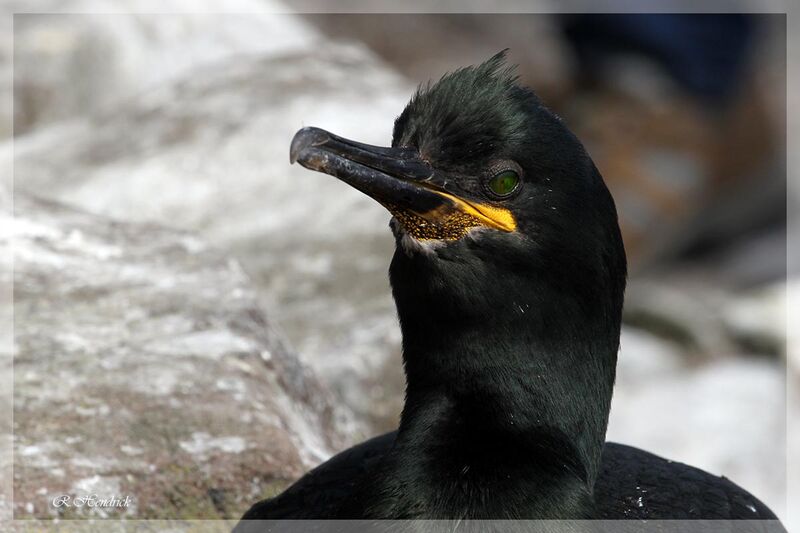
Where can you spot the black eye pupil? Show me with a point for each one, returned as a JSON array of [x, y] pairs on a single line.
[[504, 183]]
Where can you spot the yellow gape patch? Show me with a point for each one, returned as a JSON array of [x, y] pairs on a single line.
[[452, 222], [490, 216]]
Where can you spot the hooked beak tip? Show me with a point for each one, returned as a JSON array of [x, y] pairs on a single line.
[[306, 138]]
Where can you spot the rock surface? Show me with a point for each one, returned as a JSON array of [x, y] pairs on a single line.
[[144, 366], [127, 50], [209, 153]]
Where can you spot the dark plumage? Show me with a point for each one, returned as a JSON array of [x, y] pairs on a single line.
[[632, 484], [508, 276]]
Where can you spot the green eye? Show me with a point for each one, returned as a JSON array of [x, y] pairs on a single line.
[[504, 183]]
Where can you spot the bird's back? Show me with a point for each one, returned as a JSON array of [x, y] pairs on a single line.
[[636, 484], [632, 484], [320, 492]]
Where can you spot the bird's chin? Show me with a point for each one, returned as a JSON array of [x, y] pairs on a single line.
[[411, 245]]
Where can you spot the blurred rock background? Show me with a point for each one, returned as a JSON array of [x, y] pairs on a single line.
[[148, 122]]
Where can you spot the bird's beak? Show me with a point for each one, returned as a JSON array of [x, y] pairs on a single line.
[[401, 181]]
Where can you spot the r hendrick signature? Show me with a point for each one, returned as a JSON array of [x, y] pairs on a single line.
[[92, 500]]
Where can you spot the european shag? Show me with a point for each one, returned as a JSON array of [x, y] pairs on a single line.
[[508, 276]]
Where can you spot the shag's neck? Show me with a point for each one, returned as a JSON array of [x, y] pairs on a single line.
[[507, 396]]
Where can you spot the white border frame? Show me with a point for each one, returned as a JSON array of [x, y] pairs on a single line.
[[792, 11]]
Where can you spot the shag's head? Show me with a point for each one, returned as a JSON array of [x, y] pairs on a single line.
[[509, 271], [485, 184]]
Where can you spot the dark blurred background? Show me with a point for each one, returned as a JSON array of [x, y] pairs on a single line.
[[185, 121]]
